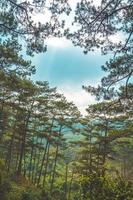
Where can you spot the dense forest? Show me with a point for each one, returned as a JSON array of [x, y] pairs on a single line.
[[48, 150]]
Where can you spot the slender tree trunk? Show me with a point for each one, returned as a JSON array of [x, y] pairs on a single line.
[[31, 158], [9, 153], [44, 155], [24, 170], [11, 145], [36, 160], [54, 169], [55, 162], [31, 166], [90, 164], [124, 168], [66, 184], [17, 156], [50, 175], [42, 163], [46, 166], [34, 164], [105, 147], [23, 143], [21, 153], [70, 187], [2, 118], [37, 166]]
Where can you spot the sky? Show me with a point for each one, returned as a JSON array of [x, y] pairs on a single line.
[[67, 68]]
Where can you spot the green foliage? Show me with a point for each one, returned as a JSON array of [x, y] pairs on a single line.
[[98, 25], [17, 20], [37, 162], [107, 188], [30, 194]]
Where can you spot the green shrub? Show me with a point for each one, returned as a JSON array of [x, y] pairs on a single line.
[[99, 188]]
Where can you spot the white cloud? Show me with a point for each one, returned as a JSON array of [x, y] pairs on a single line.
[[41, 17], [58, 42], [97, 2], [73, 3], [78, 96], [118, 37]]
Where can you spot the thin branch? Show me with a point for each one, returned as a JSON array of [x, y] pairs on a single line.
[[101, 12], [15, 31], [22, 8], [129, 76]]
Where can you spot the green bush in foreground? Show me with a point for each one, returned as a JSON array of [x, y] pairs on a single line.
[[99, 188], [89, 188]]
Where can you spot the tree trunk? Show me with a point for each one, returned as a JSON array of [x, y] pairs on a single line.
[[23, 143], [46, 166], [42, 163], [54, 169], [70, 187], [66, 184]]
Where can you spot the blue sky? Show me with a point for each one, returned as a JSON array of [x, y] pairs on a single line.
[[66, 67]]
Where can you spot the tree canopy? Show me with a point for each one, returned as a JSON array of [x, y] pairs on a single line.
[[17, 20], [100, 25], [38, 158]]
